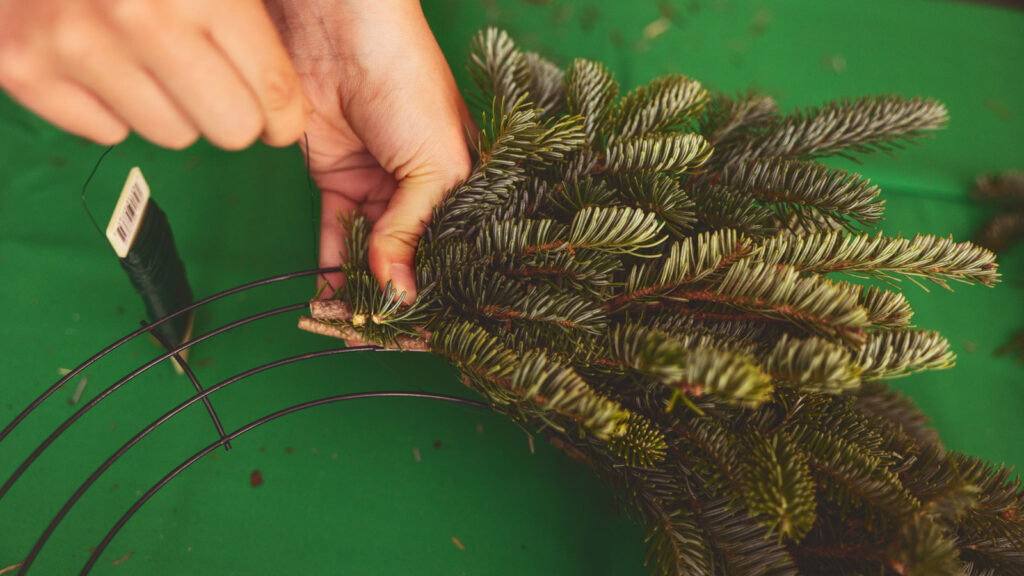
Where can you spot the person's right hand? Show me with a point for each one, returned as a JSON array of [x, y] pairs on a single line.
[[171, 70]]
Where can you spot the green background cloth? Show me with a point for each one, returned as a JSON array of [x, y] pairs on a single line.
[[384, 486]]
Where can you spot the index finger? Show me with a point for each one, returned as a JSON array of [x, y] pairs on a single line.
[[247, 36]]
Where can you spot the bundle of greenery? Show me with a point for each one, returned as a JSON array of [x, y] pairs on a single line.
[[1005, 191], [649, 280]]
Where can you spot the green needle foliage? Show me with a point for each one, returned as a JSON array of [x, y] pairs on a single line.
[[1005, 191], [661, 284]]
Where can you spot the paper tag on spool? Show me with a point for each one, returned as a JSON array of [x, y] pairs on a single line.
[[128, 214]]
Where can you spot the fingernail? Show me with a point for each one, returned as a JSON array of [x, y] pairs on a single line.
[[402, 278]]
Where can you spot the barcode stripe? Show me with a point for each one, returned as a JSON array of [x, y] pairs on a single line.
[[127, 215]]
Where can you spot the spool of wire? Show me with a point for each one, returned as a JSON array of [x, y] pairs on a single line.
[[141, 236]]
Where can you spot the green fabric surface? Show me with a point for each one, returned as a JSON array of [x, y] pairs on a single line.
[[343, 491]]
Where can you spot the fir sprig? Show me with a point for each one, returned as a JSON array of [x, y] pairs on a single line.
[[647, 280], [862, 125]]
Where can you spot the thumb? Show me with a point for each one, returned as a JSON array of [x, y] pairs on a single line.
[[394, 237]]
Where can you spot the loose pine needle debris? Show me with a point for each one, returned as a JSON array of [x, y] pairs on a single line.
[[650, 281], [79, 389]]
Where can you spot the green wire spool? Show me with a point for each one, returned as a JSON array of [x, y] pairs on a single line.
[[141, 236]]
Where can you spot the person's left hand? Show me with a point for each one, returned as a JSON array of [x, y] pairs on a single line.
[[387, 134]]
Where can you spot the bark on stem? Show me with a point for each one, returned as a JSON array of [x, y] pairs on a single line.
[[333, 310], [346, 333]]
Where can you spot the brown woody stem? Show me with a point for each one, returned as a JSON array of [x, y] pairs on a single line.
[[333, 310], [402, 342]]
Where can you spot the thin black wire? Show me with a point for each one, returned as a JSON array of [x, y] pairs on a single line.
[[94, 557], [99, 471], [67, 377], [85, 186], [180, 359], [81, 412]]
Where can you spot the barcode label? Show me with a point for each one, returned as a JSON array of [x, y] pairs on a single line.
[[127, 216]]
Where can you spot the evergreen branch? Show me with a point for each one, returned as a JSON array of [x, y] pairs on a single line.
[[813, 364], [779, 488], [662, 195], [441, 258], [780, 292], [793, 187], [667, 104], [1001, 231], [672, 153], [896, 354], [590, 90], [617, 230], [472, 350], [517, 136], [730, 375], [458, 212], [991, 557], [691, 260], [558, 388], [676, 545], [729, 118], [720, 207], [547, 84], [717, 451], [743, 545], [802, 221], [641, 445], [587, 272], [1006, 189], [853, 475], [489, 296], [355, 233], [571, 196], [863, 125], [507, 380], [924, 548], [998, 508], [378, 315], [878, 400], [558, 137], [930, 257], [521, 237], [681, 337], [497, 67], [736, 331], [886, 309], [833, 414]]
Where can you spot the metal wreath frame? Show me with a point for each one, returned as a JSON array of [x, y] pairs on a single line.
[[202, 395]]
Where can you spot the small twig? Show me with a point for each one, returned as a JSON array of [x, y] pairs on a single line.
[[123, 558], [334, 331], [333, 310], [402, 342], [10, 568]]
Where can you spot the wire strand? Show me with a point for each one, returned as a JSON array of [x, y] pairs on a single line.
[[85, 186], [94, 557], [125, 339]]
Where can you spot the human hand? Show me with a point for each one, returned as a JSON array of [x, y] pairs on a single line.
[[387, 132], [168, 69]]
